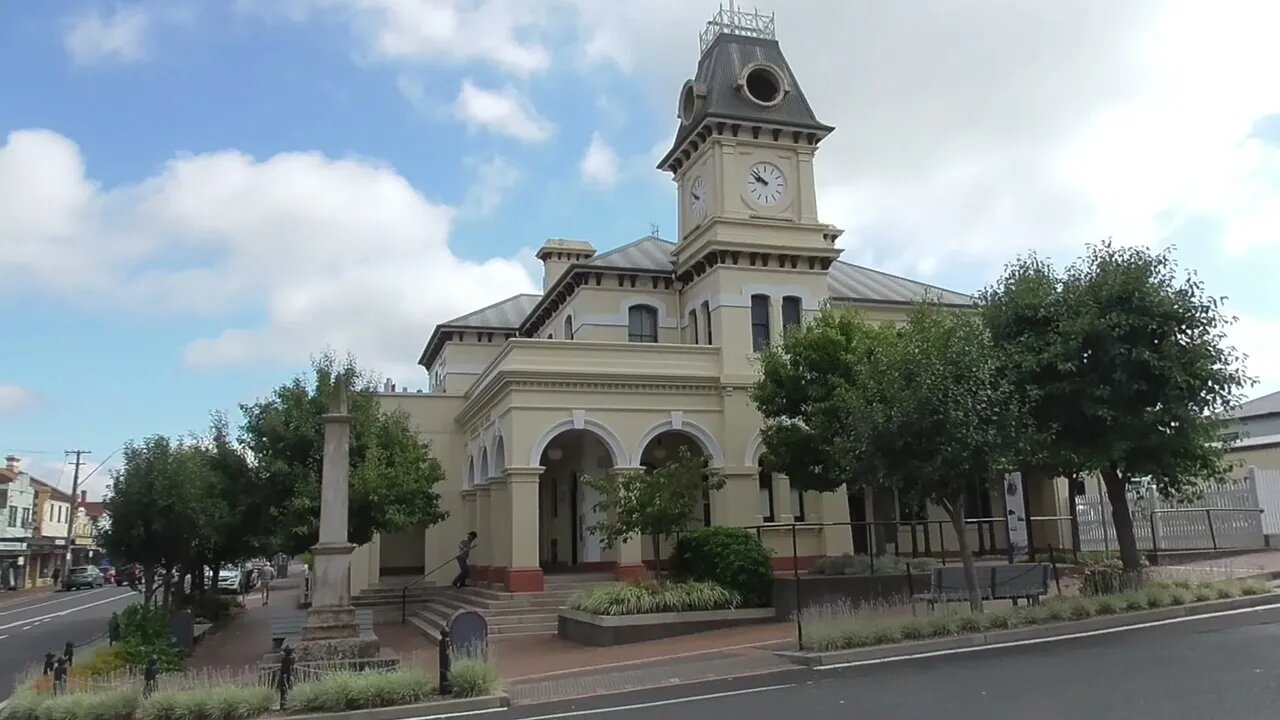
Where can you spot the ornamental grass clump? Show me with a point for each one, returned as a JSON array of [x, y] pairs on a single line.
[[345, 691], [212, 703], [648, 597]]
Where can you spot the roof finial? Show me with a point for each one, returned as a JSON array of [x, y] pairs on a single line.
[[654, 229]]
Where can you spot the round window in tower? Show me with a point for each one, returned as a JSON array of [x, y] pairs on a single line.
[[764, 85], [689, 101]]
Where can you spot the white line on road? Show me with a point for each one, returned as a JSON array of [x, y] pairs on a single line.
[[3, 637], [68, 611], [600, 711], [59, 600], [1056, 638]]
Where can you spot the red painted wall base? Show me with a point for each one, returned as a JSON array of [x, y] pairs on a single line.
[[522, 580], [630, 571], [788, 564]]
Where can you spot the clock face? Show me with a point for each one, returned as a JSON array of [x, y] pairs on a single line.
[[698, 198], [766, 184]]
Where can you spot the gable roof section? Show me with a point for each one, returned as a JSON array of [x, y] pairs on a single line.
[[846, 281], [1265, 405], [54, 492], [647, 253]]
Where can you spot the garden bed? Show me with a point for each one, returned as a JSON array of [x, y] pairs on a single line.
[[817, 590], [847, 628], [605, 630]]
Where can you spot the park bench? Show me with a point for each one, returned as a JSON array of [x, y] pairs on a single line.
[[288, 625], [1019, 581]]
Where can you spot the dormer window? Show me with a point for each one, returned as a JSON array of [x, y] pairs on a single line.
[[642, 324]]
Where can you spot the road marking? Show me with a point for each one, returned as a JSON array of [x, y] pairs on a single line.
[[68, 611], [624, 663], [29, 626], [59, 600], [1056, 638], [600, 711], [3, 637]]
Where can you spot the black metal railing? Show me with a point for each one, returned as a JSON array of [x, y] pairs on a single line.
[[404, 592]]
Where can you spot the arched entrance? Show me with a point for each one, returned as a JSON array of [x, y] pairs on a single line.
[[665, 445], [566, 505]]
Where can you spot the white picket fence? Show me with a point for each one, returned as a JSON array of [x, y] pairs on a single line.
[[1268, 483], [1236, 523]]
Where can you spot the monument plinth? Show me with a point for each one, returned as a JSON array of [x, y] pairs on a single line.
[[331, 631]]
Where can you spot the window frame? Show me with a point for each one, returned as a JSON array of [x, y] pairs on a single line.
[[637, 314], [795, 305], [797, 504], [568, 327], [693, 325], [761, 308], [765, 480]]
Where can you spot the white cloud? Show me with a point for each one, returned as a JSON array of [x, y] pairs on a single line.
[[504, 111], [332, 252], [1259, 340], [599, 164], [15, 399], [92, 37], [417, 31], [492, 179]]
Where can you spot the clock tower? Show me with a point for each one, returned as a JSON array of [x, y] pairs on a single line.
[[743, 162]]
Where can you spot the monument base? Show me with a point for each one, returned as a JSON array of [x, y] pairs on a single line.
[[330, 623], [363, 647]]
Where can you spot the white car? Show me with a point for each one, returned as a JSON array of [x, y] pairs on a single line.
[[237, 579]]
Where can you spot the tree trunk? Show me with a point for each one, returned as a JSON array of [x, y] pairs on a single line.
[[955, 511], [1116, 484], [148, 583], [656, 539]]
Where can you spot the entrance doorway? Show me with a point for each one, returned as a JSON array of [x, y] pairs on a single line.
[[566, 504]]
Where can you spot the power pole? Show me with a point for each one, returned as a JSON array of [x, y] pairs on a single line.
[[75, 504]]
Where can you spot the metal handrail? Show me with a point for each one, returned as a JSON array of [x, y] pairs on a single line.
[[404, 592]]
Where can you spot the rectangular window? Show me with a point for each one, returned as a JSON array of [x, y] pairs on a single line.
[[26, 516], [759, 322], [766, 495], [642, 324], [13, 516], [693, 326], [797, 504], [706, 320], [791, 313]]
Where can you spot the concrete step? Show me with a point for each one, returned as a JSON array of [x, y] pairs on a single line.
[[524, 629], [516, 620]]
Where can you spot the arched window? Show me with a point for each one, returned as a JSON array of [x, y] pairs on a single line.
[[642, 324], [706, 320], [759, 322], [568, 327], [791, 312], [693, 326]]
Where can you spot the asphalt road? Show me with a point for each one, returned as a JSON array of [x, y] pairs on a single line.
[[32, 626], [1224, 667]]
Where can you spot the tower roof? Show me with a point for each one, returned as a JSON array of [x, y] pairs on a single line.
[[739, 48]]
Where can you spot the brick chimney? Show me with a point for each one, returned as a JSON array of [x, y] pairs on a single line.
[[557, 255], [13, 463], [84, 496]]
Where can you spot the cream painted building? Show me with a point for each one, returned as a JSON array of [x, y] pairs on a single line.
[[631, 353]]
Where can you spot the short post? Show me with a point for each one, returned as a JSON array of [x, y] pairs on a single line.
[[151, 673], [871, 544], [284, 680], [1155, 541], [69, 652], [446, 686], [795, 576], [942, 543], [1213, 537], [1053, 562]]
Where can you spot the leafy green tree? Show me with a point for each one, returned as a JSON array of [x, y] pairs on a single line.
[[922, 409], [1123, 363], [156, 506], [393, 473], [655, 503]]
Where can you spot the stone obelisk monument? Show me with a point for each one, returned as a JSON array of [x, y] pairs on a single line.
[[331, 631]]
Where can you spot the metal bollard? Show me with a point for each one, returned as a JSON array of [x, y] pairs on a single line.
[[446, 687], [284, 681]]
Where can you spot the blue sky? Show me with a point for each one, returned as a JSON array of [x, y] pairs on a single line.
[[197, 195]]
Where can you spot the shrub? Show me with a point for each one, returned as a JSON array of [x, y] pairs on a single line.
[[344, 691], [944, 625], [1226, 590], [914, 629], [115, 705], [23, 705], [1080, 609], [862, 565], [104, 661], [646, 597], [227, 702], [1107, 577], [1254, 587], [997, 621], [1180, 596], [968, 623], [1157, 597], [1106, 605], [730, 557], [473, 677], [1203, 593]]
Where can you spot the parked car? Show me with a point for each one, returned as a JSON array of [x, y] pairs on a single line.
[[237, 578], [84, 576], [108, 573], [124, 573]]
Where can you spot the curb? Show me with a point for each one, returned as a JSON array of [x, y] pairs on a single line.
[[1037, 632], [421, 710]]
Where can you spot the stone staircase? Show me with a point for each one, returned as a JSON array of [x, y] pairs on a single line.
[[509, 614], [390, 591]]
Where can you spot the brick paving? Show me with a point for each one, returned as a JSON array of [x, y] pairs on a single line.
[[244, 640]]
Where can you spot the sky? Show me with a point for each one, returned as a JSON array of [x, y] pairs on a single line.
[[197, 196]]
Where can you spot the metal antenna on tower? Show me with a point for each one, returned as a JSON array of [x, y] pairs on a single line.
[[653, 229]]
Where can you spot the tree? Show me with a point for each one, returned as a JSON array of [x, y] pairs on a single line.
[[656, 504], [922, 409], [1123, 363], [156, 507], [393, 473]]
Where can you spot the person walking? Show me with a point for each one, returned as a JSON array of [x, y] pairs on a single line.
[[267, 574], [464, 553]]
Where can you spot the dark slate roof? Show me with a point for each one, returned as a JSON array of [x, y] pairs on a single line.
[[503, 314], [718, 71], [1265, 405], [647, 253], [853, 282]]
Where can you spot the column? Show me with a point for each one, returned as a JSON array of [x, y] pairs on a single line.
[[775, 318], [782, 510], [499, 530], [834, 507], [630, 552], [483, 553], [738, 502], [333, 551], [523, 573]]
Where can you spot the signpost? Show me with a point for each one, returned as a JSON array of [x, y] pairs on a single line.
[[1015, 514]]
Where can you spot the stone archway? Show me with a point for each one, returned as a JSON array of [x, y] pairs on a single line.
[[664, 445], [566, 505]]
